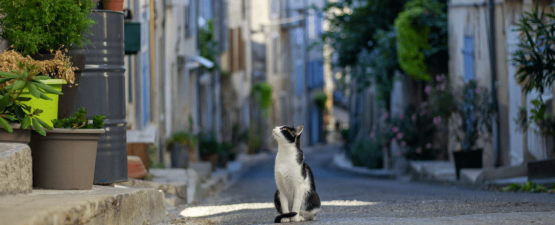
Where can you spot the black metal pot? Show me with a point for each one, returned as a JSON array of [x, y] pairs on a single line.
[[467, 159]]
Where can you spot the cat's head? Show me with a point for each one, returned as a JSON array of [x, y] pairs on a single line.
[[287, 134]]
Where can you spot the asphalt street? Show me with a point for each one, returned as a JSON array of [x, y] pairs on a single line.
[[353, 199]]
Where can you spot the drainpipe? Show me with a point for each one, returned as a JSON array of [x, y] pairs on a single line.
[[491, 8], [152, 63]]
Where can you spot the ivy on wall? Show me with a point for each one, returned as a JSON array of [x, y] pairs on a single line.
[[262, 93], [412, 39]]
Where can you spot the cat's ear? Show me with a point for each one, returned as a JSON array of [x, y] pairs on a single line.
[[299, 129]]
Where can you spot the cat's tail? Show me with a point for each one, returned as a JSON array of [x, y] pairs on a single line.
[[285, 215]]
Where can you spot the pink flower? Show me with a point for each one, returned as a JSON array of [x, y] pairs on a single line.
[[442, 87], [429, 145], [438, 77], [400, 136], [385, 115], [401, 116], [395, 129], [423, 104], [413, 117], [394, 141], [372, 135], [477, 90], [399, 153], [427, 89], [403, 144], [437, 120], [419, 150]]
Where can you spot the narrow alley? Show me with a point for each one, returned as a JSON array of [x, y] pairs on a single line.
[[352, 199]]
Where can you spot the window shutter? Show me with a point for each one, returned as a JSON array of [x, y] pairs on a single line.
[[468, 52], [231, 52], [299, 79], [241, 50]]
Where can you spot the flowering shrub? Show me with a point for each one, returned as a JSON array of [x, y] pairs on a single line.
[[413, 131], [475, 109]]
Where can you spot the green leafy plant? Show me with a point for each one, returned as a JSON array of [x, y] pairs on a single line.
[[320, 99], [208, 46], [80, 121], [528, 187], [183, 138], [536, 52], [421, 37], [367, 152], [208, 144], [13, 108], [475, 109], [44, 25], [262, 93]]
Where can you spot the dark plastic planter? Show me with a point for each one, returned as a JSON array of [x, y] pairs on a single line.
[[64, 159], [179, 156], [467, 159], [18, 135]]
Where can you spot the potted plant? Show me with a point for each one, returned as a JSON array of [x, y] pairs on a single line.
[[209, 148], [65, 158], [225, 153], [16, 111], [176, 143], [474, 109], [38, 27]]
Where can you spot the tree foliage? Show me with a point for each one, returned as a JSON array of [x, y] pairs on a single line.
[[35, 25]]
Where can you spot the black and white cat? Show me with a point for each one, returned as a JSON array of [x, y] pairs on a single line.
[[296, 198]]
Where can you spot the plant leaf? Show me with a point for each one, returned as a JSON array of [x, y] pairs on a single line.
[[48, 89], [5, 125], [4, 80], [18, 85], [4, 102], [33, 90], [38, 127], [44, 96], [44, 124], [42, 77], [26, 123], [9, 75]]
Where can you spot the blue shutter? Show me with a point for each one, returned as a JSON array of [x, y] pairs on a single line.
[[321, 73], [309, 75], [314, 128], [468, 52], [299, 79]]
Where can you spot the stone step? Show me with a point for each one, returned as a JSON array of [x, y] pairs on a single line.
[[101, 205], [16, 173]]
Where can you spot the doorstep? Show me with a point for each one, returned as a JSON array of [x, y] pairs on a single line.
[[101, 205]]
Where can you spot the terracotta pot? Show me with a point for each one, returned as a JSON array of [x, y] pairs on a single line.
[[64, 159], [18, 135], [140, 150], [114, 5], [135, 167], [212, 158]]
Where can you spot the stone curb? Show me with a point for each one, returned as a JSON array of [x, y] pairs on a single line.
[[16, 173], [101, 205], [342, 163]]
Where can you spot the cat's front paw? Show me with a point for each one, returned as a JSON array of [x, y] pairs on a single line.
[[296, 218], [285, 220]]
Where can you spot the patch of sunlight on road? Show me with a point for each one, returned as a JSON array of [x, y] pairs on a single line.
[[201, 211]]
